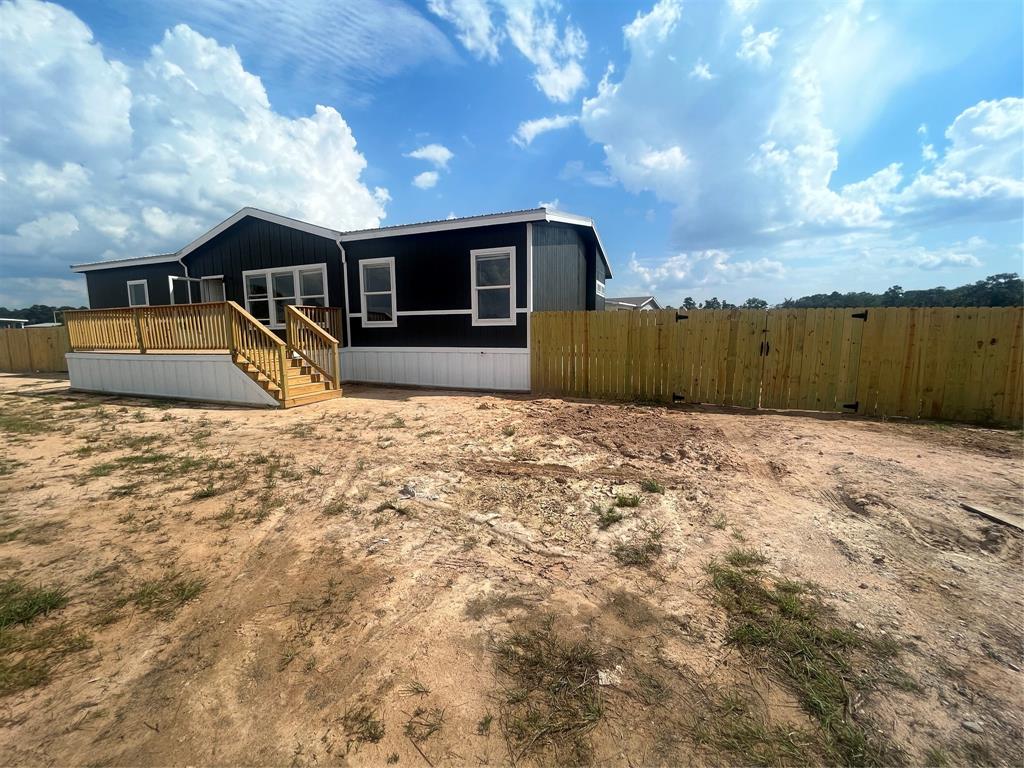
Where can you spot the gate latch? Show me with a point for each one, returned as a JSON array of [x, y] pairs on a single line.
[[852, 406], [677, 398], [860, 315], [681, 317]]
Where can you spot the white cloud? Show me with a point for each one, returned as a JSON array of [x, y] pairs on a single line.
[[757, 46], [531, 129], [685, 271], [701, 71], [575, 170], [472, 19], [555, 48], [747, 161], [550, 205], [922, 258], [425, 180], [436, 154], [742, 7], [647, 30], [107, 160]]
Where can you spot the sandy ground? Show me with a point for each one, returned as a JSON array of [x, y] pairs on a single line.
[[366, 556]]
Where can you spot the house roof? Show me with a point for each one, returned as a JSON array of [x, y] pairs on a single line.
[[633, 301], [490, 219]]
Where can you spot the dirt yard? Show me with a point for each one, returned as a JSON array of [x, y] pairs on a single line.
[[422, 578]]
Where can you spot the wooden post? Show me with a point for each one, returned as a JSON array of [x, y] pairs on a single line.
[[229, 335], [138, 330], [282, 356], [337, 367]]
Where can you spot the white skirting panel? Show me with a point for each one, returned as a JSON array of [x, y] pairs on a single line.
[[492, 369], [210, 378]]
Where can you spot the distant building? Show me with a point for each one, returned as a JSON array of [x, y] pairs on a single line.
[[12, 322], [642, 303]]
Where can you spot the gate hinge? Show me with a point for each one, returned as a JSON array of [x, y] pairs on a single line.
[[860, 315], [677, 398], [681, 317], [852, 406]]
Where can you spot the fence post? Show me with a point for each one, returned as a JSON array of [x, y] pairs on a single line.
[[229, 336], [337, 367], [138, 330]]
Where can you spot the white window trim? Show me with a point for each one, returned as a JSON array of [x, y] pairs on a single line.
[[270, 287], [510, 251], [393, 322], [145, 288]]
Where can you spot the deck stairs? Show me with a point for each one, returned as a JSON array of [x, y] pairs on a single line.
[[305, 384]]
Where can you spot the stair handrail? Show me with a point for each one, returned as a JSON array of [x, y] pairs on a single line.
[[313, 350], [271, 360]]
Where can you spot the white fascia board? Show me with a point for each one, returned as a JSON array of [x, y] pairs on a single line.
[[274, 218], [123, 263], [444, 226]]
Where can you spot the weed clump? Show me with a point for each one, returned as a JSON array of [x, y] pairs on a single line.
[[651, 486], [606, 516], [627, 500], [822, 661], [362, 725], [552, 699], [642, 550]]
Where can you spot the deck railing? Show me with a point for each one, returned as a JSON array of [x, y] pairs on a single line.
[[182, 328], [307, 337]]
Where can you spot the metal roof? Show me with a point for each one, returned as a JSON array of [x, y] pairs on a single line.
[[436, 225]]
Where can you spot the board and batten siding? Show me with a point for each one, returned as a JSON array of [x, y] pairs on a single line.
[[559, 268], [108, 288], [433, 274]]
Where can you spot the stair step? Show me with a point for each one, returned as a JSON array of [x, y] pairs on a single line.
[[294, 390], [314, 397]]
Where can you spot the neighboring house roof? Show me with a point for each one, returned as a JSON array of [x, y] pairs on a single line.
[[490, 219], [634, 301], [13, 320]]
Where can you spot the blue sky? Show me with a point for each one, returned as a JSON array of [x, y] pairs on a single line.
[[734, 149]]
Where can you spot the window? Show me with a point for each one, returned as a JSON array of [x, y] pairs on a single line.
[[138, 293], [269, 291], [183, 290], [212, 288], [377, 285], [494, 286]]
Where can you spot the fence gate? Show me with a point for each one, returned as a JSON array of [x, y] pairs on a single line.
[[812, 359]]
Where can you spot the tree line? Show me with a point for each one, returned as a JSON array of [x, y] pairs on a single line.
[[37, 313], [1003, 290]]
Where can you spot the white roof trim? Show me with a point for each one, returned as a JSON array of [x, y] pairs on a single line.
[[274, 218], [536, 214]]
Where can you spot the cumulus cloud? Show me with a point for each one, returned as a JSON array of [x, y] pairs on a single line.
[[747, 160], [649, 29], [531, 129], [757, 47], [101, 159], [437, 154], [922, 258], [686, 271], [555, 47], [701, 71], [425, 180]]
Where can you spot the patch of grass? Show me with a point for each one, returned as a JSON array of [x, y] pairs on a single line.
[[24, 424], [7, 466], [101, 470], [651, 486], [823, 662], [317, 470], [508, 430], [428, 433], [19, 604], [731, 726], [424, 723], [606, 516], [719, 522], [745, 558], [552, 698], [483, 726], [136, 442], [208, 491], [362, 725], [627, 500], [396, 422], [642, 550], [414, 688], [164, 596], [335, 508]]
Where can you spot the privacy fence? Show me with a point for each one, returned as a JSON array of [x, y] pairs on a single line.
[[28, 350], [961, 364]]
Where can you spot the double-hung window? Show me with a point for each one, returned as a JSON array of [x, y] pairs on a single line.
[[377, 286], [138, 293], [269, 291], [493, 286]]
